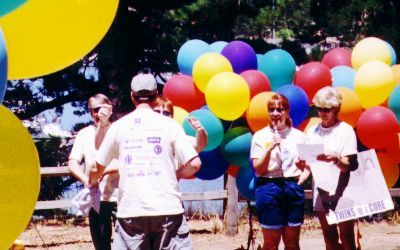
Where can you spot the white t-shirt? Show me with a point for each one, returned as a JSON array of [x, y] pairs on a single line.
[[146, 143], [339, 139], [283, 158], [84, 149]]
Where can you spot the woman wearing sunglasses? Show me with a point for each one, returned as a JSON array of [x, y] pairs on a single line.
[[340, 145], [279, 194]]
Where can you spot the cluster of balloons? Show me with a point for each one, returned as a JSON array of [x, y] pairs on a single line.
[[37, 37], [223, 84]]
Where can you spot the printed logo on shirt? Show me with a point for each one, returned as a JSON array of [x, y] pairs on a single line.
[[128, 159], [136, 120], [157, 149], [153, 139], [267, 144]]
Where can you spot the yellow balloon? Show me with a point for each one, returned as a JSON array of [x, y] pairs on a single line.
[[44, 36], [207, 66], [396, 72], [373, 83], [370, 49], [351, 108], [19, 177], [227, 95], [180, 114]]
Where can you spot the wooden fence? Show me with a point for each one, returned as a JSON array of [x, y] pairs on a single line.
[[230, 195]]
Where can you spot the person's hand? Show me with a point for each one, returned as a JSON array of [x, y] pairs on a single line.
[[104, 115], [329, 158], [196, 125], [300, 164], [276, 141]]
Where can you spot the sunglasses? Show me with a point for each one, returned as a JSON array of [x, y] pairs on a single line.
[[166, 113], [324, 110], [95, 110], [271, 110]]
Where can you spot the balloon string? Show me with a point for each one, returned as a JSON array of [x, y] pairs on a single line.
[[40, 236]]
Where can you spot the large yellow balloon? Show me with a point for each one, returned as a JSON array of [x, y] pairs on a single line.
[[180, 114], [44, 36], [207, 66], [227, 95], [351, 108], [373, 83], [370, 49], [19, 177]]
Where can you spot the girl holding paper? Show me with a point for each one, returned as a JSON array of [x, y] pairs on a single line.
[[340, 145]]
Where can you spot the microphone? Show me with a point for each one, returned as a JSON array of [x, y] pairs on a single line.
[[276, 133]]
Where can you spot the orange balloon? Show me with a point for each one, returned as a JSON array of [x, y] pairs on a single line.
[[389, 167], [308, 123], [351, 108], [396, 72], [257, 115], [233, 170]]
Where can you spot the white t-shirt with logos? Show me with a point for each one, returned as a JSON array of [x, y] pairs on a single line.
[[146, 144], [84, 149], [283, 158], [340, 139]]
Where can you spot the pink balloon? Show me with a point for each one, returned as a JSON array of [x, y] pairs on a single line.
[[182, 92], [337, 57], [313, 76], [258, 82], [377, 127]]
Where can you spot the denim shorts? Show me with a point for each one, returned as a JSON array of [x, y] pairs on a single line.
[[279, 202]]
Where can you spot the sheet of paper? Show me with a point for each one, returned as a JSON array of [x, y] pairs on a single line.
[[309, 152]]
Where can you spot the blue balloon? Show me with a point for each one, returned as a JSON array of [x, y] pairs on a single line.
[[343, 76], [236, 146], [241, 56], [394, 102], [218, 46], [3, 66], [7, 6], [245, 182], [279, 66], [298, 101], [211, 124], [393, 57], [213, 165], [188, 54]]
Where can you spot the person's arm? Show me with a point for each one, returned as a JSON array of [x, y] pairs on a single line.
[[305, 171], [189, 169], [201, 134], [76, 170], [96, 174], [345, 163], [103, 124], [110, 169]]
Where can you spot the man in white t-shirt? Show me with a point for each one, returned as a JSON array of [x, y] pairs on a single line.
[[84, 149], [146, 144]]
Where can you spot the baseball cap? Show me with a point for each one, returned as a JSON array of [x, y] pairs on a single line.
[[144, 85]]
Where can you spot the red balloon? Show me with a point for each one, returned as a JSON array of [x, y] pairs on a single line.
[[182, 92], [232, 170], [337, 57], [377, 127], [258, 82], [393, 149], [313, 76]]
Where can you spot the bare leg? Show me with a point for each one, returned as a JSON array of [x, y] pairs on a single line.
[[330, 232], [272, 237], [346, 230], [291, 238]]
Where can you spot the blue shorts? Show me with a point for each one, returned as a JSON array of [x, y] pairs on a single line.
[[279, 203]]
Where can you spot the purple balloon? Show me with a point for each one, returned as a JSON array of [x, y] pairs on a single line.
[[240, 55]]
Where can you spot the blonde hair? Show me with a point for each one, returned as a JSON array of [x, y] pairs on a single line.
[[327, 97], [100, 98]]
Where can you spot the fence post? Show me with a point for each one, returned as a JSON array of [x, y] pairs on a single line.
[[231, 213]]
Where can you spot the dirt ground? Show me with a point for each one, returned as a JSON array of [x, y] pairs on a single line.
[[207, 235]]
